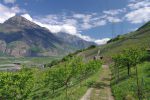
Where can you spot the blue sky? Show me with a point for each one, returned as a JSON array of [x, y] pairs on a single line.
[[92, 20]]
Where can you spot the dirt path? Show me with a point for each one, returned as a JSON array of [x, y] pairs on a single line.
[[101, 89]]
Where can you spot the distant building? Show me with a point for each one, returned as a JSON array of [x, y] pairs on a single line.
[[17, 63], [98, 56]]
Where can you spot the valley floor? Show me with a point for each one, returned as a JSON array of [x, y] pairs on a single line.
[[101, 89]]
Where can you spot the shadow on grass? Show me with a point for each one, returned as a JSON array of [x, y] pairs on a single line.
[[146, 58], [106, 79], [99, 85], [122, 78], [44, 94]]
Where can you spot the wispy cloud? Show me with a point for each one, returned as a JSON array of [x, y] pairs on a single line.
[[102, 41], [113, 12], [139, 16], [139, 4], [9, 1], [114, 15], [80, 21], [135, 12], [7, 12]]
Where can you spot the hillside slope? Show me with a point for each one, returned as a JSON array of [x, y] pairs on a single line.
[[139, 38]]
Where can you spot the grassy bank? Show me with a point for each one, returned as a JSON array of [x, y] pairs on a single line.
[[127, 88]]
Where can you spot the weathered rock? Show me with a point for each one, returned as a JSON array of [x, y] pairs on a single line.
[[18, 49], [2, 46]]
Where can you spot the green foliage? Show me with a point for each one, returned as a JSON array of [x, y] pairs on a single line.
[[91, 47], [129, 58], [69, 73], [137, 39], [119, 37], [125, 87], [54, 78], [16, 85], [35, 49], [144, 26], [2, 54], [54, 62], [133, 56], [46, 83], [69, 56]]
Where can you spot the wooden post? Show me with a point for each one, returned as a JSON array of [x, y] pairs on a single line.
[[137, 81]]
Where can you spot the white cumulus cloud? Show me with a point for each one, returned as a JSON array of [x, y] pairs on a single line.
[[139, 16], [140, 4], [27, 16], [139, 11], [102, 41], [7, 12]]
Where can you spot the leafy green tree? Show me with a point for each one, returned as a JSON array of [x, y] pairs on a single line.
[[118, 59], [132, 57], [15, 85], [54, 78], [21, 85], [129, 58]]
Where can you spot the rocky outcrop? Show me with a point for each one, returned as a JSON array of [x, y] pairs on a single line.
[[18, 49], [3, 46]]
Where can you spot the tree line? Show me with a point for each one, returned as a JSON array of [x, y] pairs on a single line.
[[21, 84], [129, 58]]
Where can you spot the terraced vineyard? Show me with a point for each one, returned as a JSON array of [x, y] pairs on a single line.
[[61, 81], [11, 63]]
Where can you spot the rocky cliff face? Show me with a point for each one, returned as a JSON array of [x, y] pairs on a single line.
[[18, 49], [3, 46]]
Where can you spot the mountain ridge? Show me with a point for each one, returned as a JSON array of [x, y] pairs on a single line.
[[21, 37]]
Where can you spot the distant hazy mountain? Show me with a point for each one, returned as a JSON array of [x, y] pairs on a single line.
[[20, 37], [74, 41]]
